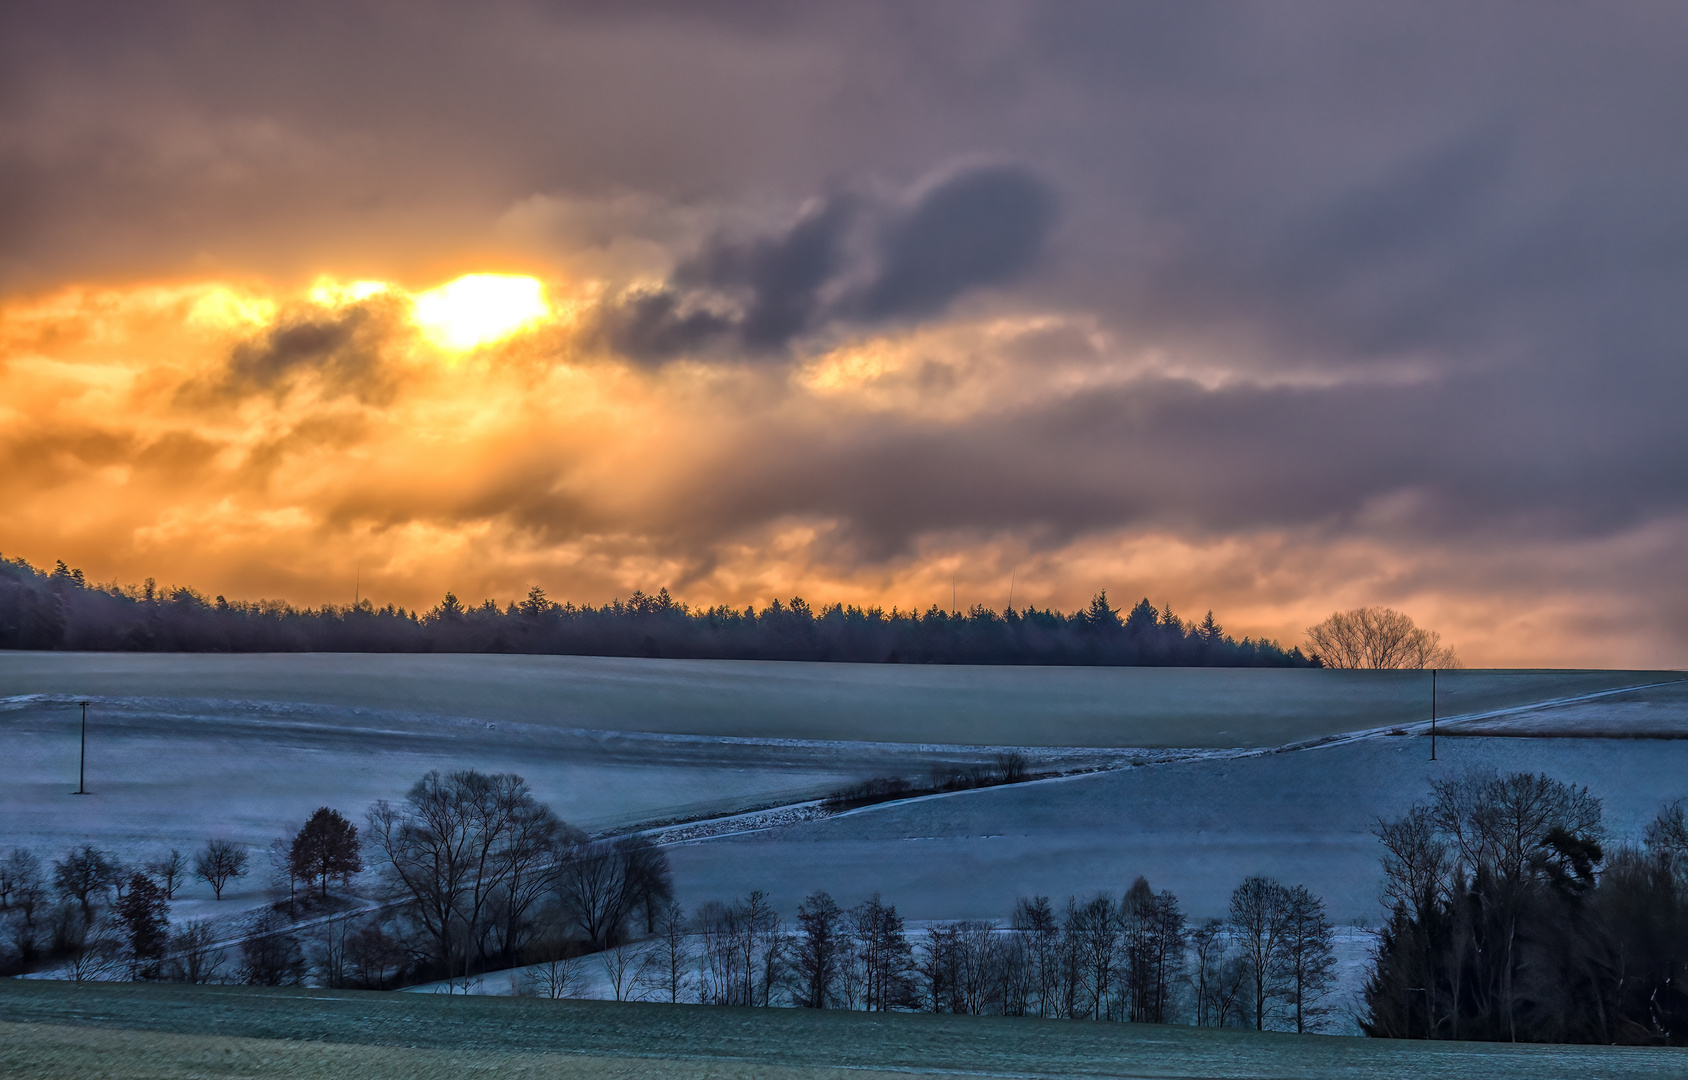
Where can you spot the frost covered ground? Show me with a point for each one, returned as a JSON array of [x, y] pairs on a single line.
[[1035, 706], [125, 1031]]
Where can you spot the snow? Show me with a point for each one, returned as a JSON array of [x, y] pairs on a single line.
[[1034, 706], [1195, 779], [1197, 827]]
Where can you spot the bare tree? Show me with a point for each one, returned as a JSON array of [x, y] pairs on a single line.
[[1034, 920], [1309, 965], [1378, 637], [718, 927], [1258, 925], [1093, 931], [818, 952], [1011, 767], [219, 862], [270, 953], [194, 957], [594, 887], [329, 953], [1154, 951], [623, 968], [673, 950], [962, 967], [882, 948], [461, 850], [95, 950], [22, 886], [284, 877], [168, 870], [86, 875], [372, 953], [553, 977]]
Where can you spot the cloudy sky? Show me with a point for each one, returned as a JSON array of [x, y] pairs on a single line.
[[1270, 309]]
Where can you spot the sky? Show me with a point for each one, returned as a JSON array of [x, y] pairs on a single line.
[[1272, 310]]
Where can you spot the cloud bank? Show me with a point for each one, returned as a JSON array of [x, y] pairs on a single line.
[[1274, 312]]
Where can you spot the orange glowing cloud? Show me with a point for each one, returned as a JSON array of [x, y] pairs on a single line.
[[248, 440]]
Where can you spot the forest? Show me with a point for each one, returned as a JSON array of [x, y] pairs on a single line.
[[61, 609], [1514, 918]]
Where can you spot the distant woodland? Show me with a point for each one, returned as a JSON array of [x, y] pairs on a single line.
[[60, 609]]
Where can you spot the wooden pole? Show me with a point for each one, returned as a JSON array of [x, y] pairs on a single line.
[[82, 768]]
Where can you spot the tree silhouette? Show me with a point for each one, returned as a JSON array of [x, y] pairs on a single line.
[[327, 846]]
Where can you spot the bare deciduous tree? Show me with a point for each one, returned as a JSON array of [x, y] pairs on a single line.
[[95, 950], [168, 870], [673, 950], [270, 953], [22, 887], [194, 957], [1219, 976], [1378, 637], [816, 957], [1309, 967], [219, 862], [626, 969], [1034, 919], [86, 875], [1259, 908], [554, 977], [1154, 951], [472, 853]]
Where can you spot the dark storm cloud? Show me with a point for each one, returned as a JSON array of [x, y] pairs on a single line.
[[341, 347], [851, 258], [981, 227]]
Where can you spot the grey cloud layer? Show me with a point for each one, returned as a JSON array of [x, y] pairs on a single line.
[[845, 259], [1490, 195]]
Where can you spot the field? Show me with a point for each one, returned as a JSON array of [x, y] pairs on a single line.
[[1019, 706], [1193, 779], [128, 1032]]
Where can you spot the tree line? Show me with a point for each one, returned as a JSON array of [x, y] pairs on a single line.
[[60, 609], [1513, 919], [1269, 964], [477, 876]]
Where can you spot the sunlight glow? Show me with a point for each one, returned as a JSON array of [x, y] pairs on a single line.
[[479, 309], [330, 293]]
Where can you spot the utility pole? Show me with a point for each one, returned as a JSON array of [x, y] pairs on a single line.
[[1432, 714], [82, 769]]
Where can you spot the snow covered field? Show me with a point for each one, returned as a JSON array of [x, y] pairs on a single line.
[[1196, 778], [1032, 706], [1196, 827]]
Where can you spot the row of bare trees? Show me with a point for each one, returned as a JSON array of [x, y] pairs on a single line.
[[1269, 964], [93, 911]]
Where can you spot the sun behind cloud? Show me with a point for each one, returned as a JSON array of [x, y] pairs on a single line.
[[478, 309]]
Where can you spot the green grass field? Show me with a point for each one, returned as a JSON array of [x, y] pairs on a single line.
[[125, 1031], [1020, 706]]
